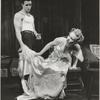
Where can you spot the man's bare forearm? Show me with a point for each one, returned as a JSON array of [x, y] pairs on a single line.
[[19, 38], [35, 32]]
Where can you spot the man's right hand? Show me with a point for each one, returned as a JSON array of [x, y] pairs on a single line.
[[38, 36]]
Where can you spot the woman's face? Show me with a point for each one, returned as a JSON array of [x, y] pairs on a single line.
[[72, 36]]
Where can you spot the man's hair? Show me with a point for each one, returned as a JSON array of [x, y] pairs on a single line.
[[22, 1]]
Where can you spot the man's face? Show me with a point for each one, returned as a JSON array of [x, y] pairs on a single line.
[[27, 6]]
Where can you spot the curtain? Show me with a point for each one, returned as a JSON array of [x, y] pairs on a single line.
[[7, 29], [53, 18]]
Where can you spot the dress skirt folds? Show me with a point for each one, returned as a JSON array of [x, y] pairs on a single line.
[[47, 77]]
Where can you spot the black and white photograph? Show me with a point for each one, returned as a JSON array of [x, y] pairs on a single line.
[[50, 50]]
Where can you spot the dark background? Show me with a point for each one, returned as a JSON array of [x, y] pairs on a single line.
[[53, 18]]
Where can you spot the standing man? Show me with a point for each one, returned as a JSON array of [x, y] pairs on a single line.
[[25, 30], [24, 26]]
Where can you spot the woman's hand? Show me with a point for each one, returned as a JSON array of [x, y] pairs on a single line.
[[77, 46]]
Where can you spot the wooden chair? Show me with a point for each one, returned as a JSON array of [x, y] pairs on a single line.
[[93, 79], [75, 83], [93, 71]]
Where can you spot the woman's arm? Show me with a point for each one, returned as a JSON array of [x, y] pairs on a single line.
[[75, 63], [78, 54], [48, 46]]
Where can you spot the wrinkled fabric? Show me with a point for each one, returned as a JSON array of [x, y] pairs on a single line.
[[47, 77]]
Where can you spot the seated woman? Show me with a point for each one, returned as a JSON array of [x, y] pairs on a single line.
[[47, 77]]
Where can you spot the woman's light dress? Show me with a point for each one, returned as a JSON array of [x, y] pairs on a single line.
[[47, 77]]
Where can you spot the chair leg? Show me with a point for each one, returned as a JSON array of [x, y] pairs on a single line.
[[89, 88]]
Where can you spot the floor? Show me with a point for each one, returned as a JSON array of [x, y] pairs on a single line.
[[10, 90]]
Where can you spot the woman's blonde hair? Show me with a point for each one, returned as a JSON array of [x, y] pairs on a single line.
[[78, 34]]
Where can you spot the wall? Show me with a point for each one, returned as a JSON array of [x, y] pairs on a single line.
[[90, 20], [52, 18]]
